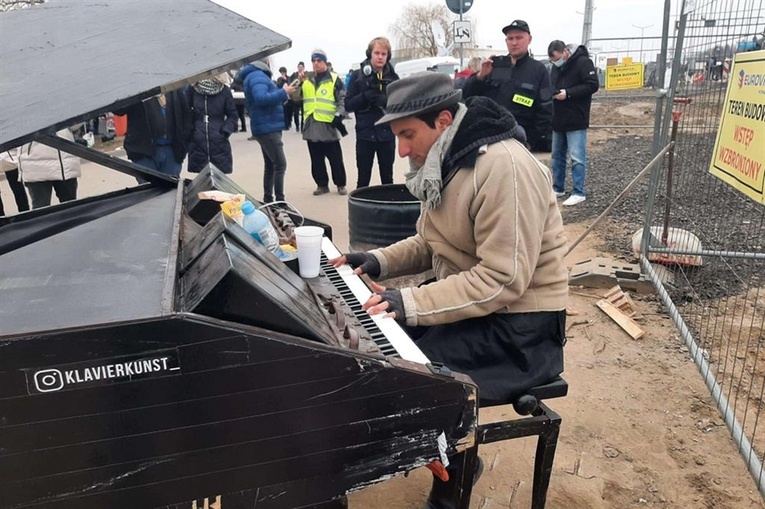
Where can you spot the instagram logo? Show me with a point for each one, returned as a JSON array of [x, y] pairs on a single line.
[[49, 380]]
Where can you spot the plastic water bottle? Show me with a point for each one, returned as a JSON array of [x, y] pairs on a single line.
[[257, 224]]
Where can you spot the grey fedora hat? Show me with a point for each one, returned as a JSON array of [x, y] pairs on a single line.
[[419, 93]]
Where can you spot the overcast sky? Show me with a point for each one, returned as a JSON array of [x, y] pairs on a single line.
[[343, 28]]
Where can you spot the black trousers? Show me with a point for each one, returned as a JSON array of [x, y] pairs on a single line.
[[19, 193], [330, 150], [242, 120], [41, 192], [288, 113], [365, 155], [505, 354], [297, 114]]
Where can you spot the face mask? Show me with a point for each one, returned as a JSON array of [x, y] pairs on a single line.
[[559, 63]]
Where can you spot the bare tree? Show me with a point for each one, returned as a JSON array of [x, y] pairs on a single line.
[[10, 5], [414, 29]]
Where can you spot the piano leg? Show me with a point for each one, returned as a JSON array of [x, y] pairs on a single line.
[[467, 476]]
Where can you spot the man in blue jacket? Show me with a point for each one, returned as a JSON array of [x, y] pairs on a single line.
[[366, 96], [575, 80], [265, 104]]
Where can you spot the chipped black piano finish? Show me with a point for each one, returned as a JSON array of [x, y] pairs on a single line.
[[148, 358], [152, 353]]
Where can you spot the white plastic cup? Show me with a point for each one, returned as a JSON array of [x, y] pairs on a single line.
[[308, 240]]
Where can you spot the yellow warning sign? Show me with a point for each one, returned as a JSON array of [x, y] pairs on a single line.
[[739, 153], [624, 77]]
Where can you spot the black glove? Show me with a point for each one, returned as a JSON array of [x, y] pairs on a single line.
[[395, 304], [370, 94], [375, 98], [380, 100], [367, 262], [337, 123], [543, 144]]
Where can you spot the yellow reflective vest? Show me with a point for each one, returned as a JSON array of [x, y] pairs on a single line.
[[320, 102]]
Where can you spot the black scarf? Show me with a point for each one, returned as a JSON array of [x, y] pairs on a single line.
[[485, 122]]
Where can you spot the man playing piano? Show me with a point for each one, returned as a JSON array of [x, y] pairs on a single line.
[[491, 231]]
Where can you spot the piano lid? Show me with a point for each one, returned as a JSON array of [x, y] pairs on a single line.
[[66, 61], [115, 268]]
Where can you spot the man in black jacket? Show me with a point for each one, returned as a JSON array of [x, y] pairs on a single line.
[[520, 84], [366, 96], [574, 78], [158, 132], [297, 107]]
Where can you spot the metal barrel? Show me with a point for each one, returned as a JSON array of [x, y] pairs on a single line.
[[379, 216]]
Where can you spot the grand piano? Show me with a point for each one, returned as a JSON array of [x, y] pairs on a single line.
[[152, 354]]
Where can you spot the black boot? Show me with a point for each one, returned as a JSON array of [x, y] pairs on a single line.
[[445, 495]]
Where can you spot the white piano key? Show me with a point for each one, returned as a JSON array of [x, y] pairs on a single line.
[[392, 330]]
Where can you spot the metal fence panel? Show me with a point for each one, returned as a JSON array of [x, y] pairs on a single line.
[[711, 235]]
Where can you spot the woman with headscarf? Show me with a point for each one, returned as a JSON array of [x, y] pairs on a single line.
[[215, 118]]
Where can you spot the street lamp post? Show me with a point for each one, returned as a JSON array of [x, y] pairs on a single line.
[[641, 39]]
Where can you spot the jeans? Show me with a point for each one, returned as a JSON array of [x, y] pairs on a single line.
[[40, 192], [365, 155], [163, 161], [275, 165], [573, 144]]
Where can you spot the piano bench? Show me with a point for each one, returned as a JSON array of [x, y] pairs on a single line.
[[543, 422]]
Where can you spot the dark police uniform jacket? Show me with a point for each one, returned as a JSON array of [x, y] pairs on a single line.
[[525, 90]]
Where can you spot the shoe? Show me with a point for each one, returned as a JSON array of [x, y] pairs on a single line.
[[321, 190], [251, 138], [574, 199], [559, 194], [243, 130], [443, 495], [478, 470], [341, 190]]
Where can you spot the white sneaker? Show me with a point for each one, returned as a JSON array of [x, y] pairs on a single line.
[[559, 194], [574, 199]]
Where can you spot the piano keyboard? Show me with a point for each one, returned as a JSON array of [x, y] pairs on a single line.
[[385, 332]]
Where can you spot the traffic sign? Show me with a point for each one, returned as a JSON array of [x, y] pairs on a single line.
[[462, 32], [454, 5]]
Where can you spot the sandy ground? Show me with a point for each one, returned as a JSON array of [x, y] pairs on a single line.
[[639, 428]]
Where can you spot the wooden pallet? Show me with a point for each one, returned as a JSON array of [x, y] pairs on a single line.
[[621, 309], [623, 302]]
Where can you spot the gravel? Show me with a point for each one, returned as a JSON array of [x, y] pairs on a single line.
[[718, 214]]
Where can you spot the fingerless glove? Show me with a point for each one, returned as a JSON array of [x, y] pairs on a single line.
[[367, 262]]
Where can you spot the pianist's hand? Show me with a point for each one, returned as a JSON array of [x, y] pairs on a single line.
[[385, 301], [363, 263]]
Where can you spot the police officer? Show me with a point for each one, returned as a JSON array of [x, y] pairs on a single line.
[[520, 84]]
